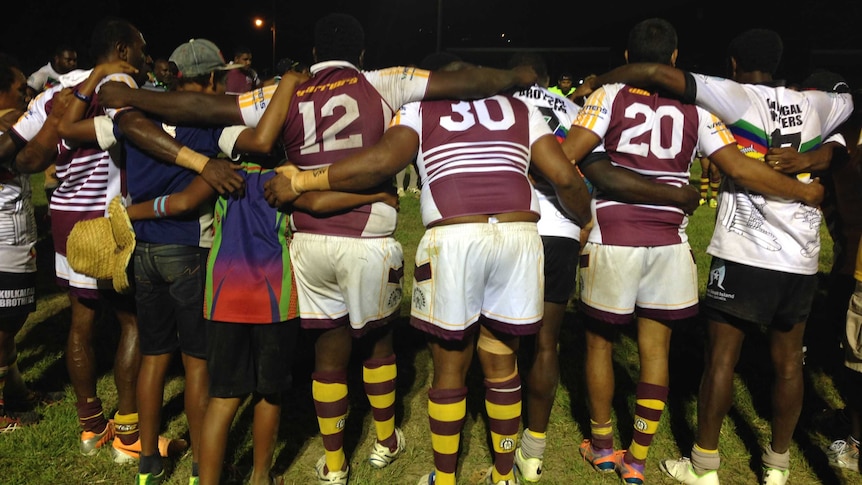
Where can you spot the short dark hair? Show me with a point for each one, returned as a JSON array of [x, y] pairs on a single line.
[[108, 32], [339, 36], [8, 66], [652, 40], [240, 50], [64, 47], [757, 50], [531, 59]]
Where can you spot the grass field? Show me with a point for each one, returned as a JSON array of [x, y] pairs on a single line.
[[47, 452]]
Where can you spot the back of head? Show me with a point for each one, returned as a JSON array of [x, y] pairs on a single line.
[[757, 50], [652, 40], [109, 32], [240, 50], [534, 60], [827, 81], [339, 37]]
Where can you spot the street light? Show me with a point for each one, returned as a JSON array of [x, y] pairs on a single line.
[[260, 23]]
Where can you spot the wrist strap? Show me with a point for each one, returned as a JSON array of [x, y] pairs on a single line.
[[190, 159], [317, 179], [160, 206], [83, 97]]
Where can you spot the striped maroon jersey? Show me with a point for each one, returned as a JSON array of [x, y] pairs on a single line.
[[474, 155], [336, 113], [658, 138]]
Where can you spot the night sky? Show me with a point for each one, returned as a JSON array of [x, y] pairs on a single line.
[[573, 36]]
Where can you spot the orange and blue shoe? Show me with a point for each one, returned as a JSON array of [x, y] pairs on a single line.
[[630, 473], [600, 459]]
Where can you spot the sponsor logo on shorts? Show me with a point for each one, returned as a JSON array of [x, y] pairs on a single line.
[[716, 277], [419, 299], [16, 298], [394, 297]]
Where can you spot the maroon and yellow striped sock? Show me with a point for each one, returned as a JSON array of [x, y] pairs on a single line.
[[379, 377], [329, 390], [713, 189], [503, 405], [602, 436], [651, 399], [447, 409]]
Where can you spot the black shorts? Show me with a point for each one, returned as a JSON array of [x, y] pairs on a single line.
[[737, 291], [17, 294], [561, 268], [244, 358]]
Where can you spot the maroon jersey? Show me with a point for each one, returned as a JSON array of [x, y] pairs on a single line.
[[658, 138], [474, 155], [337, 112]]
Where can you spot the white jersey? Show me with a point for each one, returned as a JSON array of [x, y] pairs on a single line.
[[17, 223], [559, 112], [754, 229], [44, 78]]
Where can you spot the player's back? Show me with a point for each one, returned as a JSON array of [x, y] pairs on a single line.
[[333, 115], [474, 155], [650, 134], [764, 116]]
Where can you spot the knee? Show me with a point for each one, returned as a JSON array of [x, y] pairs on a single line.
[[788, 366]]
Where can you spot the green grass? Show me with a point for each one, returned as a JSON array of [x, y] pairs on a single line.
[[47, 452]]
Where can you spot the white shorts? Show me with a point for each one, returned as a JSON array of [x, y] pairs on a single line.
[[346, 279], [657, 282], [77, 280], [467, 270]]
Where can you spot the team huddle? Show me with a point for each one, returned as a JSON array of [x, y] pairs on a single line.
[[222, 225]]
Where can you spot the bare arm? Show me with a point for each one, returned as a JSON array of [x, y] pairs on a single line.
[[72, 126], [641, 74], [262, 138], [197, 193], [9, 119], [758, 177], [174, 107], [472, 82], [549, 159], [327, 202], [218, 172], [788, 160], [366, 169], [41, 151], [623, 184]]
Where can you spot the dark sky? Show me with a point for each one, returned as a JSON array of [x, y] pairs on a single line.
[[573, 36]]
